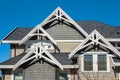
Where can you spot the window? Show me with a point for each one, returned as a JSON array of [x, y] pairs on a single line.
[[88, 62], [95, 62], [102, 62], [63, 76], [18, 75]]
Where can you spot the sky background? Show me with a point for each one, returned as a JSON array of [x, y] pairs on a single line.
[[29, 13]]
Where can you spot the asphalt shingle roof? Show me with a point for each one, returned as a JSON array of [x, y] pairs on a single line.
[[18, 33], [116, 59], [61, 57], [106, 30], [13, 60]]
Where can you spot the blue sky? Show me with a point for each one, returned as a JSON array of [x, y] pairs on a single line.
[[29, 13]]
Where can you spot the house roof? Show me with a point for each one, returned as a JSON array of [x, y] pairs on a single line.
[[18, 33], [61, 57], [116, 59], [106, 30], [13, 61]]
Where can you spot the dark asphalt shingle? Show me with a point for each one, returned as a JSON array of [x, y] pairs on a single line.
[[116, 59], [13, 60], [18, 34], [61, 57]]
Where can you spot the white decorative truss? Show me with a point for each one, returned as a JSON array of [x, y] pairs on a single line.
[[38, 52], [38, 31], [57, 14], [95, 38]]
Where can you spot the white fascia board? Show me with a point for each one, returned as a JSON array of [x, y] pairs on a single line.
[[11, 41], [117, 64], [70, 66], [113, 39], [6, 66]]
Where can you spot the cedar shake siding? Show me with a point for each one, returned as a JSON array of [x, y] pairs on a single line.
[[39, 71]]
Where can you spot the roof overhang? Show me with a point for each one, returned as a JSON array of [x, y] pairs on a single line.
[[70, 66], [113, 39], [6, 66], [115, 64], [11, 41]]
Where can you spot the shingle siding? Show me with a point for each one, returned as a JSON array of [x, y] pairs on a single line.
[[39, 71], [64, 32]]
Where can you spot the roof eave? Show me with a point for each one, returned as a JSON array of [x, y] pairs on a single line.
[[11, 41], [6, 66]]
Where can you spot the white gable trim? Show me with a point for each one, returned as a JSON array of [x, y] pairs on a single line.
[[31, 33], [70, 66], [95, 41], [38, 50], [11, 41], [58, 14]]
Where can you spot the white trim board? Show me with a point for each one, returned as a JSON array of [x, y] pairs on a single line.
[[70, 66], [11, 41], [6, 66]]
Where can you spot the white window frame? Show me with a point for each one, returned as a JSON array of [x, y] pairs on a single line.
[[95, 61]]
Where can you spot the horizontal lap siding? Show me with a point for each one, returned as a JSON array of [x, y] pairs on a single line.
[[39, 71], [67, 46]]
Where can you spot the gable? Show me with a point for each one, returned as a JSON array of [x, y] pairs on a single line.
[[38, 52], [95, 41], [61, 27], [64, 32]]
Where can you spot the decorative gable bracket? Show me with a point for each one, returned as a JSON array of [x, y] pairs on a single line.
[[38, 52], [95, 38], [60, 15], [39, 31]]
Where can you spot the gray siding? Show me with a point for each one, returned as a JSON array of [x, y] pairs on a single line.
[[61, 31], [39, 71]]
